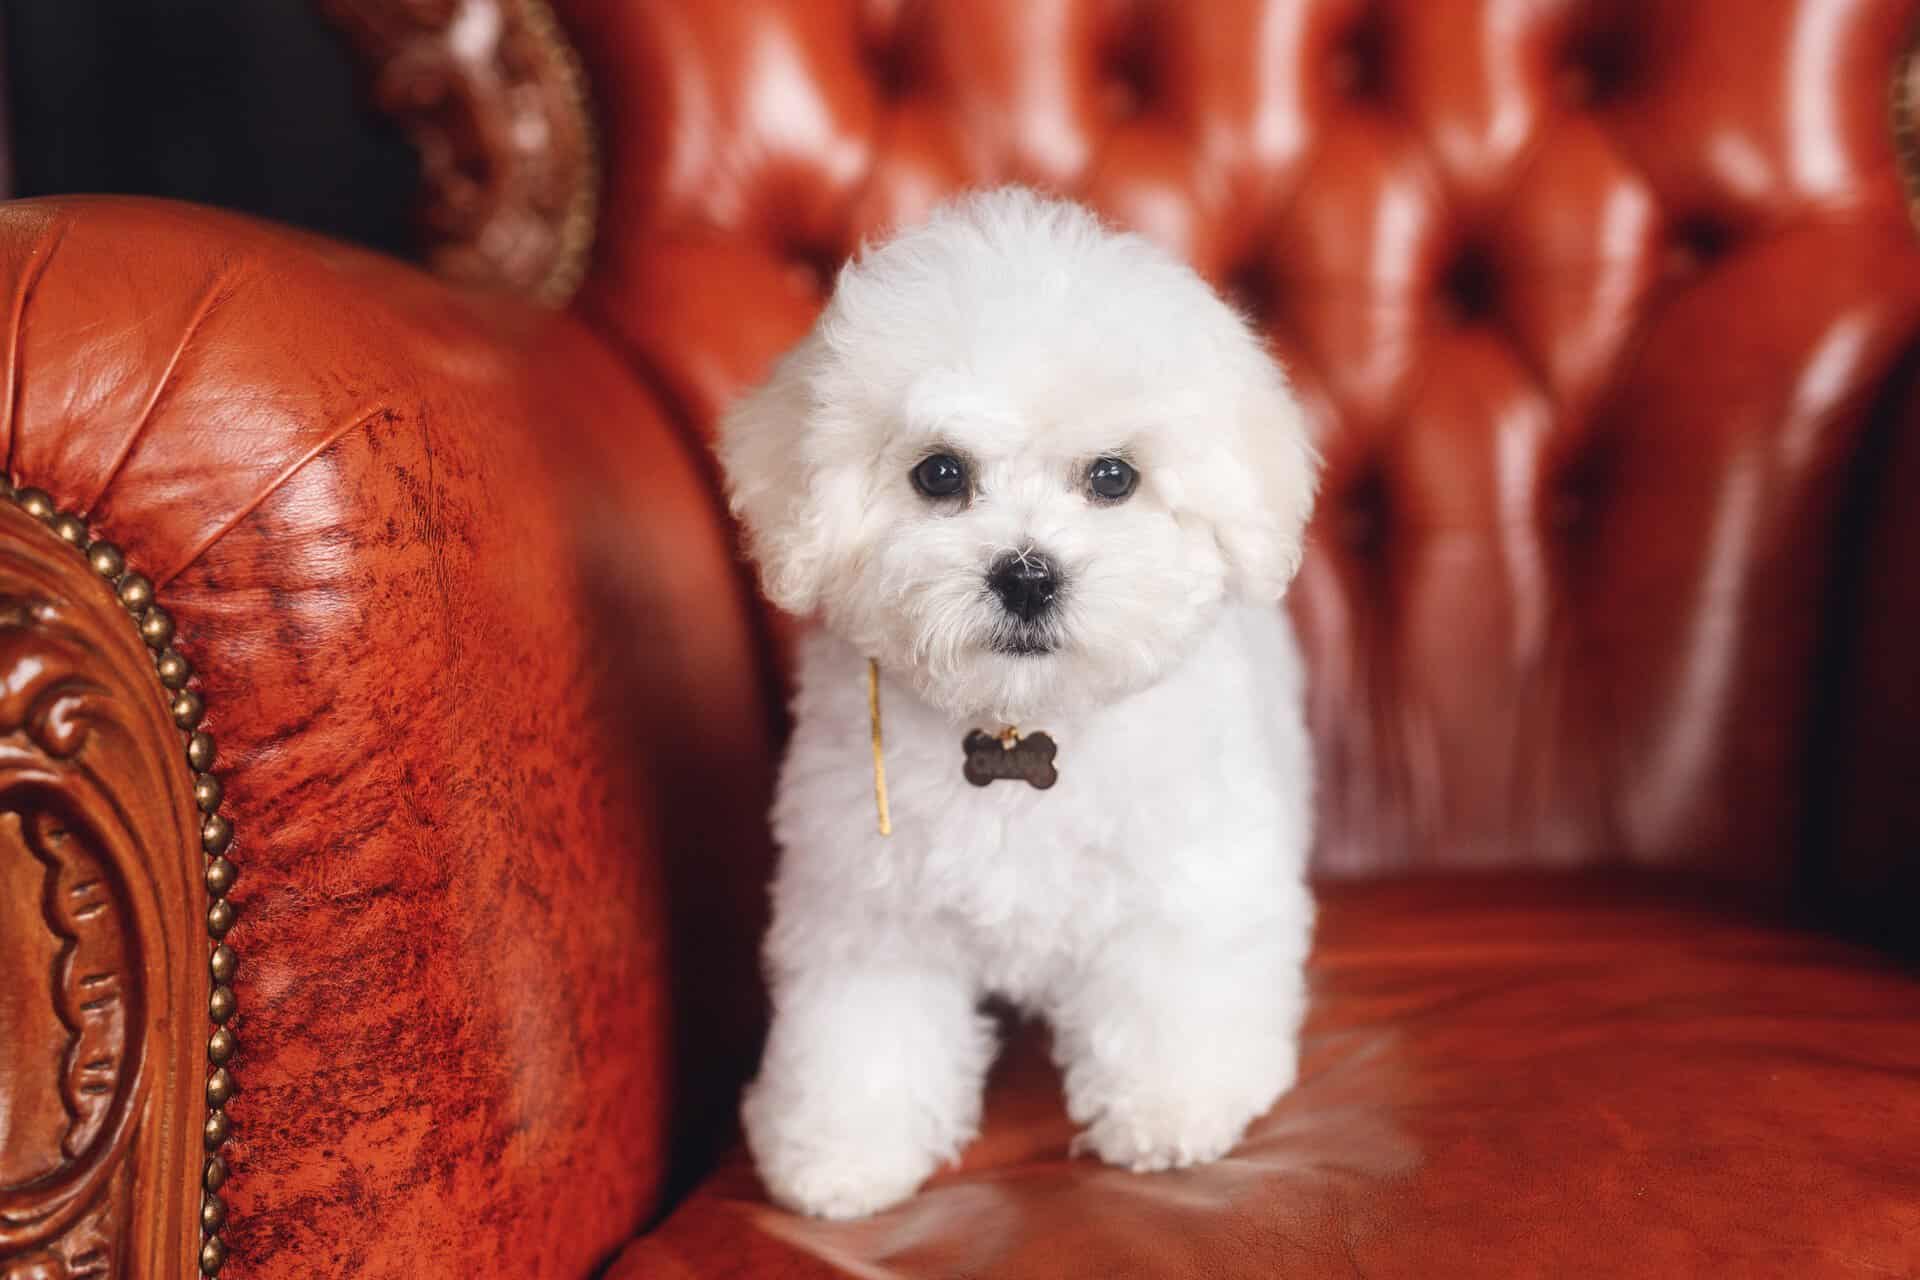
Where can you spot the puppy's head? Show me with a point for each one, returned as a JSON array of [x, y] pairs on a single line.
[[1022, 460]]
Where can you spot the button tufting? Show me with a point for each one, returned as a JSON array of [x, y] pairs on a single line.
[[1361, 522], [1599, 67], [1127, 87], [809, 271], [1470, 286], [1566, 511], [1578, 490], [1697, 242], [1253, 289], [890, 65], [1358, 64], [889, 30]]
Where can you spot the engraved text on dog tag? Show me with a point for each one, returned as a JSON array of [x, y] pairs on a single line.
[[1029, 759]]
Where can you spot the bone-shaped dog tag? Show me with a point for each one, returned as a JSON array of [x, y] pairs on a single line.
[[991, 758]]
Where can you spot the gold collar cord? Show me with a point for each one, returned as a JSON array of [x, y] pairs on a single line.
[[879, 757]]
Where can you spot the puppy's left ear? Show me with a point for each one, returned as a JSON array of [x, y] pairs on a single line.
[[786, 501], [1262, 521]]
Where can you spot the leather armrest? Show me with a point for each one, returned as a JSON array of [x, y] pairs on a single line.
[[469, 635]]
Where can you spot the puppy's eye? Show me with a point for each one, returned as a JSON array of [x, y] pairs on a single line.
[[940, 476], [1111, 480]]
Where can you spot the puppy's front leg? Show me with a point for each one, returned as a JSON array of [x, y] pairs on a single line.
[[871, 1079], [1173, 1044]]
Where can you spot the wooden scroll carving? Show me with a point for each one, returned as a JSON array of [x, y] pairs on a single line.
[[103, 952], [494, 99]]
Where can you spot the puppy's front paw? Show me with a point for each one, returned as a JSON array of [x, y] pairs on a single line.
[[1149, 1120], [832, 1174], [1169, 1131], [1169, 1052], [871, 1079], [850, 1184]]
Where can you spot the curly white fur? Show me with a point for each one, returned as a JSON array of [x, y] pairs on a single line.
[[1152, 904]]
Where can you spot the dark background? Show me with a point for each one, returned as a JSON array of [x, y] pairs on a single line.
[[247, 104]]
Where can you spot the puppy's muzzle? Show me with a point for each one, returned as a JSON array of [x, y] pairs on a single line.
[[1027, 583]]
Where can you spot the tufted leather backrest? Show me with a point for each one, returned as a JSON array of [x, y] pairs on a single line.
[[1592, 302]]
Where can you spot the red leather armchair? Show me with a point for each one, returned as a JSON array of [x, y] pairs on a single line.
[[385, 759]]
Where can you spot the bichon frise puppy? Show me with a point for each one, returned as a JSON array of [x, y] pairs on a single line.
[[1051, 487]]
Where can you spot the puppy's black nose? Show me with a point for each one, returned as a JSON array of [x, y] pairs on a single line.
[[1026, 584]]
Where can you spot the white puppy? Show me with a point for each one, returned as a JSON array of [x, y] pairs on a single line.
[[1044, 477]]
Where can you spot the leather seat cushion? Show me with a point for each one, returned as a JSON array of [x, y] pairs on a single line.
[[1501, 1076]]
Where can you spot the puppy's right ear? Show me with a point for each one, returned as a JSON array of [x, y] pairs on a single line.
[[773, 485]]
